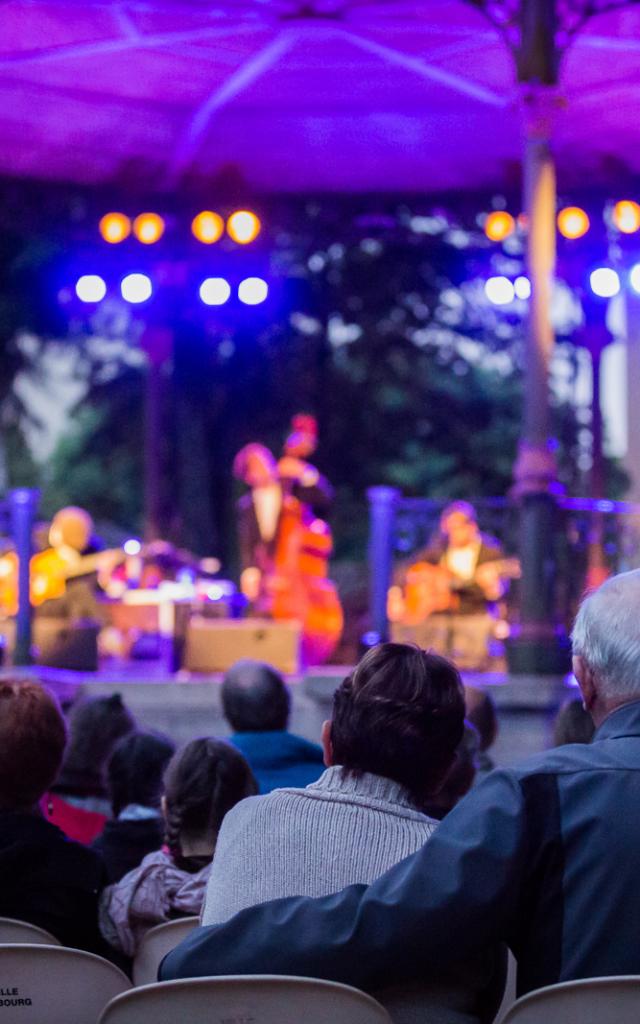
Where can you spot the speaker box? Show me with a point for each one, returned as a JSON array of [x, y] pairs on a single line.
[[63, 644], [214, 645]]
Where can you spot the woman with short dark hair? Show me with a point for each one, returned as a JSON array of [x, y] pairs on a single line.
[[45, 878]]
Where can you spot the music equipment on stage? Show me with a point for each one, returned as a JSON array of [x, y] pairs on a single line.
[[50, 571], [432, 588], [214, 645]]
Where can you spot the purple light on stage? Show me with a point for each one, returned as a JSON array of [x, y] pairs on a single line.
[[522, 287], [499, 291], [252, 291], [215, 291], [634, 278], [136, 288], [90, 288], [604, 282]]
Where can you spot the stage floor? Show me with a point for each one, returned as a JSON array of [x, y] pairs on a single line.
[[185, 705]]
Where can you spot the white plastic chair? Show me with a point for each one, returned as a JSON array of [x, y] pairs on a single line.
[[55, 984], [509, 995], [13, 931], [591, 1001], [261, 999], [156, 944]]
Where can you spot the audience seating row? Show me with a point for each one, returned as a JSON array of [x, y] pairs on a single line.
[[42, 980], [70, 986]]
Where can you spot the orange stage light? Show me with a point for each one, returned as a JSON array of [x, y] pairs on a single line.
[[148, 228], [626, 216], [243, 226], [499, 225], [207, 227], [115, 227], [573, 222]]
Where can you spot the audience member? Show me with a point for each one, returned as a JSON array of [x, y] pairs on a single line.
[[134, 783], [45, 878], [481, 712], [460, 777], [203, 782], [573, 724], [396, 724], [543, 855], [256, 702], [79, 802]]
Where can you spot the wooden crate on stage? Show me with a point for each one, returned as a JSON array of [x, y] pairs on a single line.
[[214, 645]]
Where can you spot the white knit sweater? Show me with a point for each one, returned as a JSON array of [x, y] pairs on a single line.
[[340, 830], [311, 842]]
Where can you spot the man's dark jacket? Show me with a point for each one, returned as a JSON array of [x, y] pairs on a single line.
[[544, 855]]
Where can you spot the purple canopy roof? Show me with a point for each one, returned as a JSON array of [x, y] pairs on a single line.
[[364, 95]]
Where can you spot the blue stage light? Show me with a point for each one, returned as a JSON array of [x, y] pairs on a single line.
[[499, 291], [136, 288], [634, 278], [522, 287], [215, 291], [90, 288], [252, 291], [604, 282]]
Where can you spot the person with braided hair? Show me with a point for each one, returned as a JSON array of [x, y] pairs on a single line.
[[202, 783], [396, 723]]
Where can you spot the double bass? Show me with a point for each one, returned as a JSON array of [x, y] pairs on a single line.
[[286, 574], [296, 584]]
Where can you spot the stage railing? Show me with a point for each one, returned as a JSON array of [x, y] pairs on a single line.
[[17, 517], [591, 537]]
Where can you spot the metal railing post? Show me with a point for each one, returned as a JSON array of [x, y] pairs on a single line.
[[23, 504], [382, 512]]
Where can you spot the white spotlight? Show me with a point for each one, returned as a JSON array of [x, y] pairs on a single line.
[[252, 291], [136, 288], [604, 282], [90, 288], [499, 291], [214, 291]]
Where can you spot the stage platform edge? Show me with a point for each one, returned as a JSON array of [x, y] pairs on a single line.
[[185, 705]]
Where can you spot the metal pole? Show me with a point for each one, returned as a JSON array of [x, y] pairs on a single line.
[[382, 511], [538, 645], [632, 338], [157, 342], [23, 504], [152, 451]]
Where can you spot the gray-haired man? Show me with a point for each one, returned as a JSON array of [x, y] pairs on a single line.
[[543, 855]]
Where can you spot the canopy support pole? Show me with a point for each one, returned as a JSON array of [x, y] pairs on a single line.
[[539, 644]]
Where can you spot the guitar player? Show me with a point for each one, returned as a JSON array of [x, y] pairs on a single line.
[[472, 568], [71, 535]]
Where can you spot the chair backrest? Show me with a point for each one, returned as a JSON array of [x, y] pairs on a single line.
[[591, 1001], [55, 984], [261, 999], [509, 994], [12, 930], [156, 944]]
